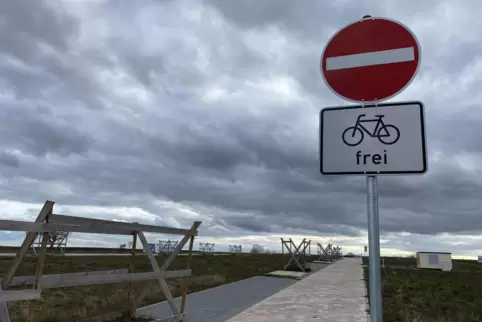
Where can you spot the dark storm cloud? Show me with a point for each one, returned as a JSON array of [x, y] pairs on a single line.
[[315, 21], [254, 226], [123, 105], [9, 159], [39, 133], [34, 38], [308, 19], [33, 22]]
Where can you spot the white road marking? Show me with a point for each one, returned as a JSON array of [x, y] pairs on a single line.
[[371, 59]]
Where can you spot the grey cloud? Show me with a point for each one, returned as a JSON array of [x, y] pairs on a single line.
[[308, 19], [438, 243], [250, 224], [9, 159], [35, 36], [40, 133], [248, 162], [26, 25]]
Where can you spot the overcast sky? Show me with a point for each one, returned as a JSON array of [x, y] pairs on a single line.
[[165, 112]]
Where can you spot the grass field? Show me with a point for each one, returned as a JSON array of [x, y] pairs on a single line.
[[416, 295], [78, 303]]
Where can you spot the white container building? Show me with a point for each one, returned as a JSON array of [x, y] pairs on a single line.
[[435, 260]]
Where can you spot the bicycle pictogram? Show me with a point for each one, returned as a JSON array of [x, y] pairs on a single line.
[[386, 133]]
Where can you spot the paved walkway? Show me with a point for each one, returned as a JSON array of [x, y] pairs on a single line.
[[334, 294], [223, 302]]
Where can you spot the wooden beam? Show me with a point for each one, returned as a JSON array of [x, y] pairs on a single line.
[[4, 316], [122, 226], [38, 271], [29, 280], [294, 254], [95, 278], [27, 242], [130, 293], [162, 283], [185, 281], [18, 225], [166, 264], [21, 295], [180, 246]]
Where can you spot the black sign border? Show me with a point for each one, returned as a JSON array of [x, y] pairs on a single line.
[[367, 173]]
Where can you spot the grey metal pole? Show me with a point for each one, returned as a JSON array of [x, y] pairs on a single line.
[[374, 247]]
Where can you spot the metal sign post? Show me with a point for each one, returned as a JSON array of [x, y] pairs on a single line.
[[372, 139], [374, 246]]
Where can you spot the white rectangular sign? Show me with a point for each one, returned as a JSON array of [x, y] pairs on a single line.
[[387, 138]]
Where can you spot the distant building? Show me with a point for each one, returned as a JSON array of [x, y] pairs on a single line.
[[435, 260], [479, 259]]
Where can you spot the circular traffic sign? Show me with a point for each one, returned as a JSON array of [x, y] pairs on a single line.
[[370, 60]]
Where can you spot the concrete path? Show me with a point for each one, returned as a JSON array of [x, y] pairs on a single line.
[[334, 294], [223, 302]]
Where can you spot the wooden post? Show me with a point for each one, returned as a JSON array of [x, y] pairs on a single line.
[[185, 280], [27, 242], [130, 311], [166, 264], [162, 282], [39, 270], [7, 278]]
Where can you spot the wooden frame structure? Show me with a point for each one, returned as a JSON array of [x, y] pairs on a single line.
[[324, 253], [298, 253], [56, 243], [167, 246], [206, 248], [235, 248], [337, 252], [329, 252], [48, 222]]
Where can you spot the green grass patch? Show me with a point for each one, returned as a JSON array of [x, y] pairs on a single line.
[[78, 303], [422, 295]]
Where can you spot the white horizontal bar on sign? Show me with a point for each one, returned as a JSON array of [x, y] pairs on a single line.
[[371, 59]]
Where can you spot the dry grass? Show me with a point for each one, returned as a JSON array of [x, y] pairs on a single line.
[[79, 303], [420, 295]]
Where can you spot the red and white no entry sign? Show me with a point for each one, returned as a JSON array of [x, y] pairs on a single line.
[[370, 60]]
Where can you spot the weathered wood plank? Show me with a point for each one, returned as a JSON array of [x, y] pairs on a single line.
[[20, 295], [130, 227], [38, 272], [29, 280], [18, 225], [160, 280], [95, 278], [166, 264], [185, 281], [27, 242], [4, 316]]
